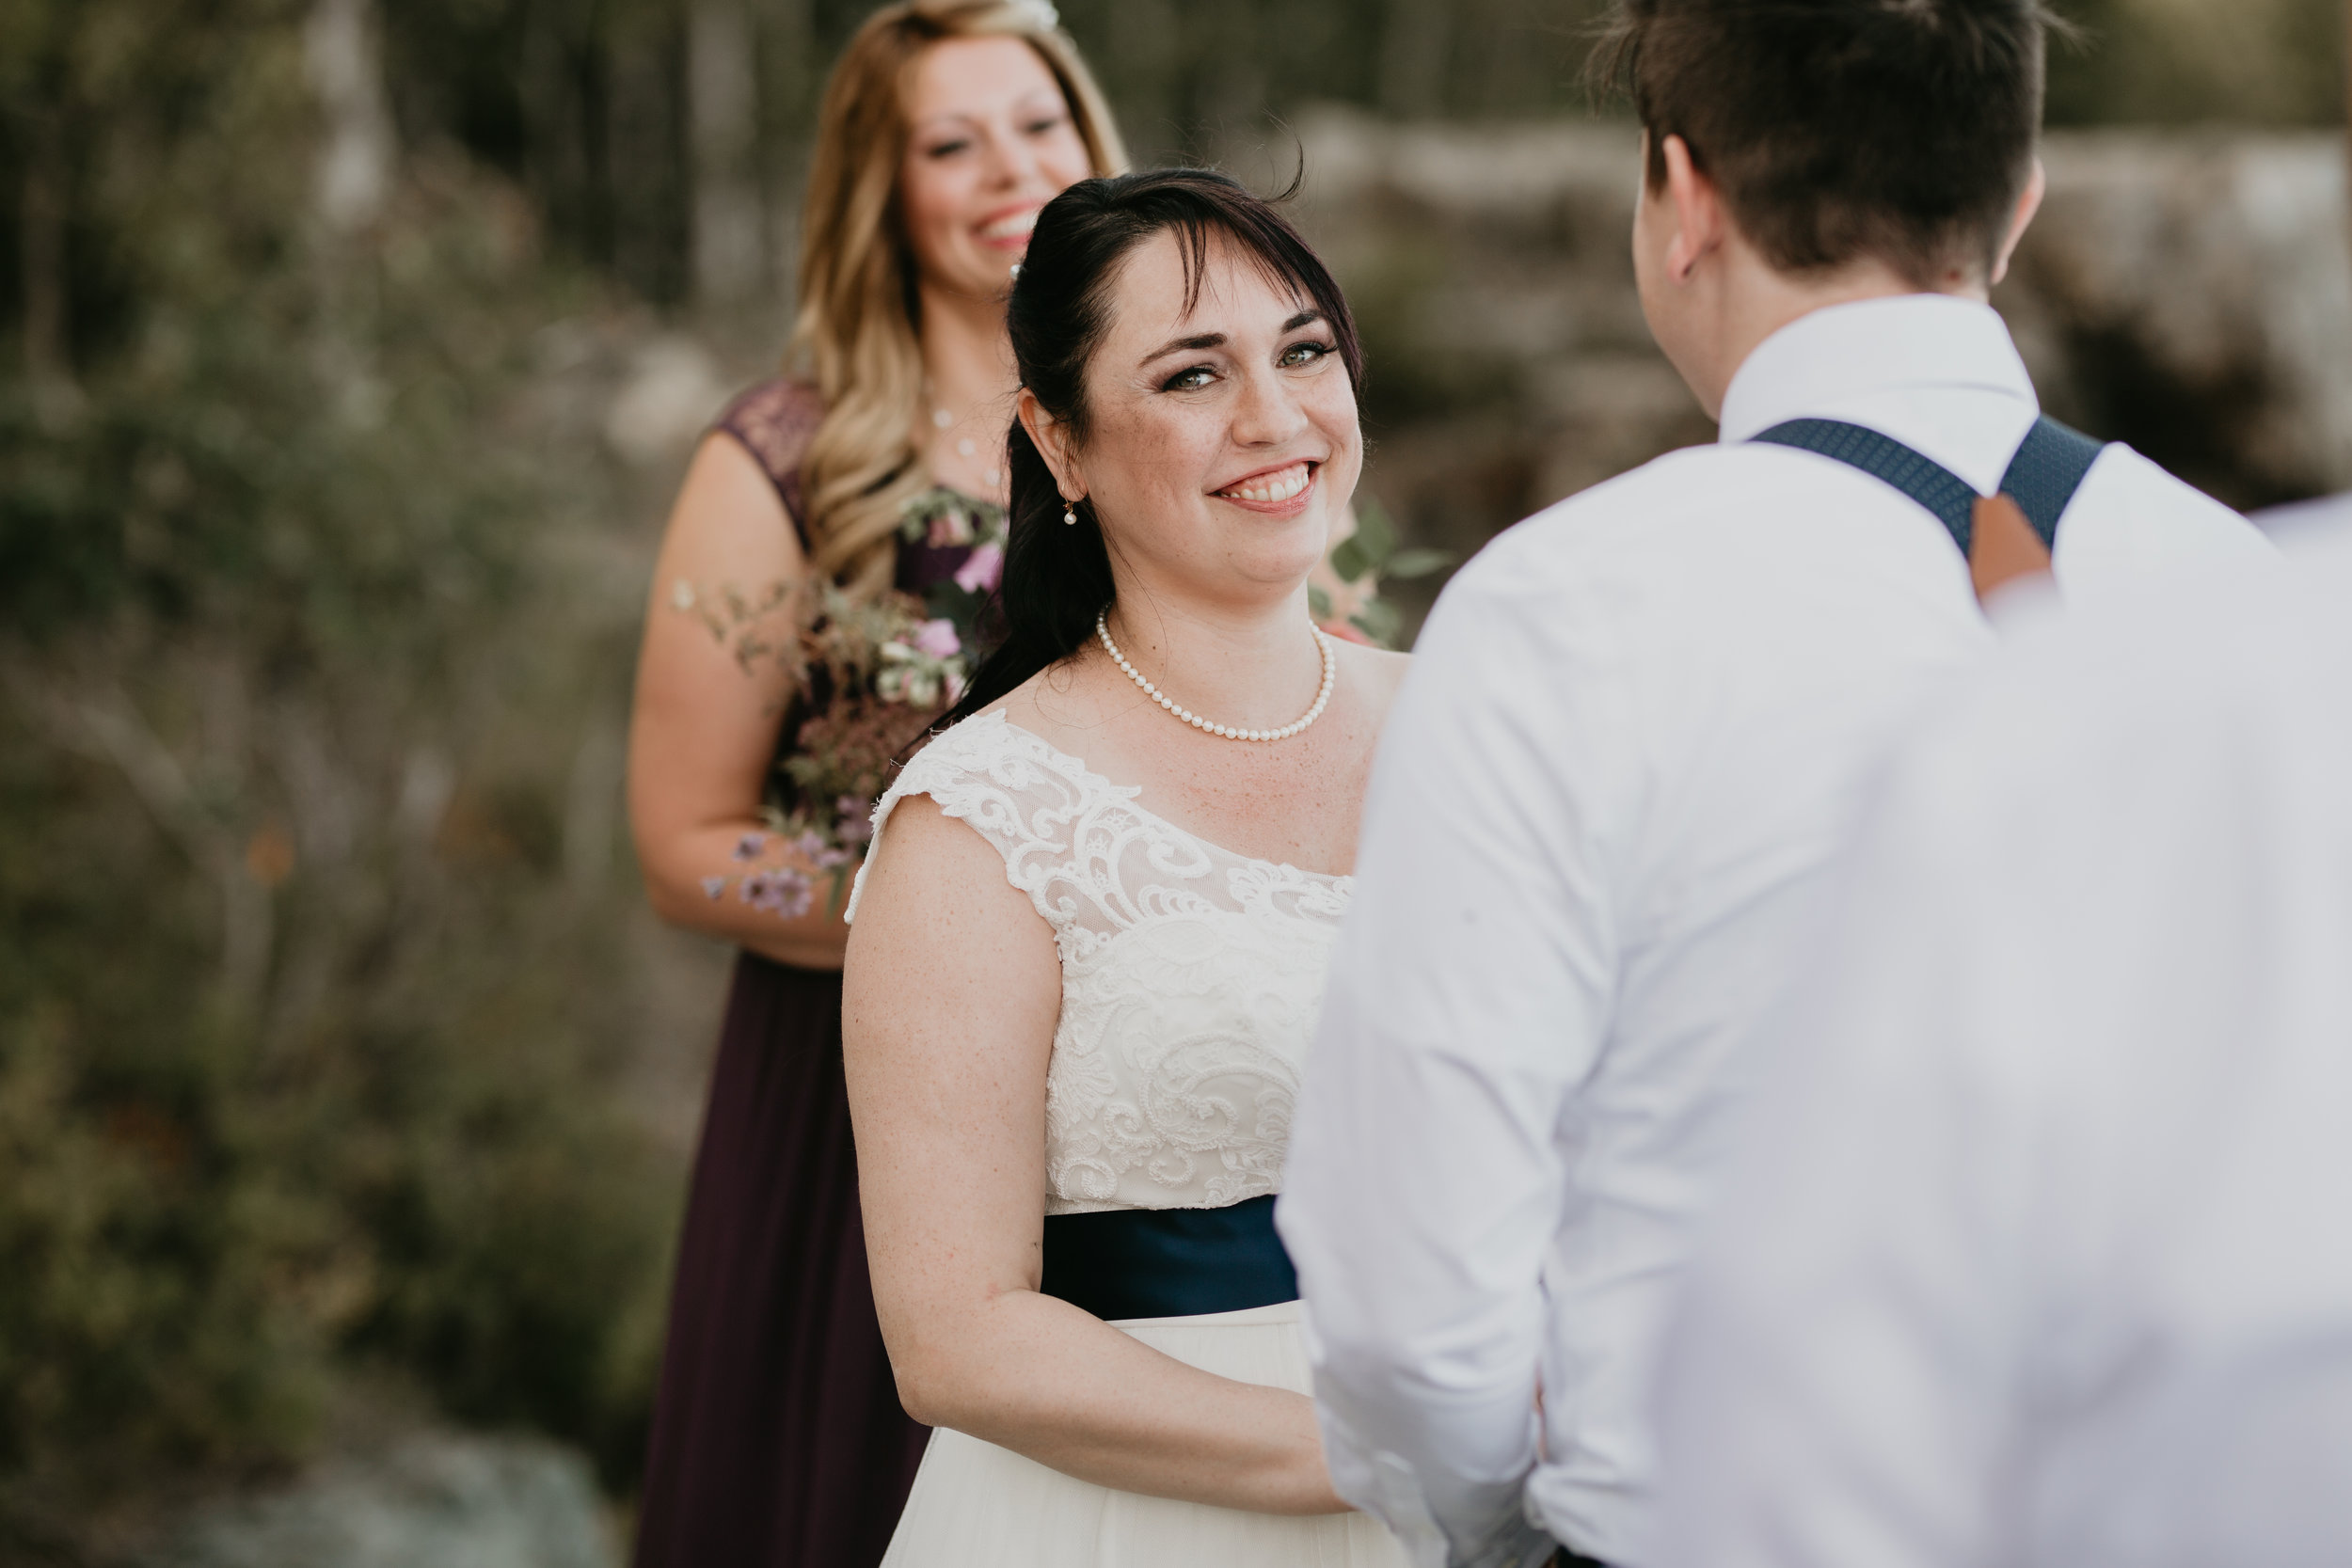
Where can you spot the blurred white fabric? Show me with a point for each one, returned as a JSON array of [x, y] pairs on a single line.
[[1633, 739], [2038, 1250], [976, 1505], [2321, 512]]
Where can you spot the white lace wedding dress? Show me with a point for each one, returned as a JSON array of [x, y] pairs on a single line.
[[1190, 981]]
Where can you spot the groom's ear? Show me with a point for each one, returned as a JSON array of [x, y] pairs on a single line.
[[1051, 436], [1701, 223], [2028, 204]]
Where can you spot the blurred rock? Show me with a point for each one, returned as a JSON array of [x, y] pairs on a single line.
[[675, 389], [430, 1502], [2188, 293], [2191, 293]]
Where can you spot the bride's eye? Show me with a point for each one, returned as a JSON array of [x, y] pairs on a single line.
[[1302, 353], [1190, 380]]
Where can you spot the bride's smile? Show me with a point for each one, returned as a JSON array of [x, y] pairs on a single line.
[[1278, 492]]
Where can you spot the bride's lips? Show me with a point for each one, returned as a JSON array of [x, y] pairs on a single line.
[[1006, 231], [1278, 492]]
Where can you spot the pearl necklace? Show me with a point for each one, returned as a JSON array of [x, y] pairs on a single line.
[[1323, 696]]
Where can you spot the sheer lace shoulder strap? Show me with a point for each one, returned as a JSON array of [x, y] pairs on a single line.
[[1015, 791], [774, 421]]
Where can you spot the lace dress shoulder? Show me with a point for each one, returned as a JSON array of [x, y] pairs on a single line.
[[773, 422], [1191, 975]]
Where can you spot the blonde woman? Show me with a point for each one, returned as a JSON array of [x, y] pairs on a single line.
[[778, 1436]]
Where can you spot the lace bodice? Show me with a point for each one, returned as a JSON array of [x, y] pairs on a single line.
[[1190, 975]]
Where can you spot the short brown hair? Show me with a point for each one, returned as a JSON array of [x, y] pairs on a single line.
[[1837, 130]]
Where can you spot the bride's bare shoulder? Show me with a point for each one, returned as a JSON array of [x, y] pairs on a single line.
[[1065, 703], [1377, 671]]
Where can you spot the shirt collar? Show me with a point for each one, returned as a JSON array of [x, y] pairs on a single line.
[[1845, 351]]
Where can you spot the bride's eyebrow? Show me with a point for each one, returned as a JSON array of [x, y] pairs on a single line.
[[1216, 339], [1184, 345]]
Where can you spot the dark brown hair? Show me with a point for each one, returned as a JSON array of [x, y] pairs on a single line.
[[1057, 577], [1897, 130]]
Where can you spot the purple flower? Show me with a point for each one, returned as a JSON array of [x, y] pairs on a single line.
[[981, 572], [751, 846], [714, 886], [855, 819], [811, 844], [786, 894], [938, 639]]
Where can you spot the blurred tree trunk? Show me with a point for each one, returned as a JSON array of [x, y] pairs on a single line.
[[345, 69], [351, 183], [724, 114], [1413, 49], [40, 233]]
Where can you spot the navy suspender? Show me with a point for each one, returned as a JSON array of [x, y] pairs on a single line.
[[2042, 477]]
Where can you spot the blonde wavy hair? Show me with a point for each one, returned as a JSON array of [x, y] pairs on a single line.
[[856, 329]]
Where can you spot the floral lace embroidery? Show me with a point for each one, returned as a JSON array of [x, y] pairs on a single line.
[[1191, 975], [774, 421]]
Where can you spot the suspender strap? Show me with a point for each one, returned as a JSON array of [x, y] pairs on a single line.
[[2047, 472], [2042, 477]]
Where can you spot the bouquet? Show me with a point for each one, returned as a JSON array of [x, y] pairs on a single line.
[[870, 675]]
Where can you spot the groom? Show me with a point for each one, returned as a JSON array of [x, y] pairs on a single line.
[[1597, 833]]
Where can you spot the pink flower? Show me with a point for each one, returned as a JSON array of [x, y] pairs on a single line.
[[938, 639], [949, 530], [855, 819], [786, 894], [981, 572]]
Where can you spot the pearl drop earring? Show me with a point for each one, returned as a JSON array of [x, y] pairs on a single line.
[[1069, 513]]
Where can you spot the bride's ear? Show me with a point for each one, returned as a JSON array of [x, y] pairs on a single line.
[[1051, 436]]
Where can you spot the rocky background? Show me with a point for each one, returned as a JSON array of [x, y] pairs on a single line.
[[2188, 291], [349, 353]]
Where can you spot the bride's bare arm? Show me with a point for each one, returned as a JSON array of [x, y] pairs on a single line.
[[713, 677], [953, 989]]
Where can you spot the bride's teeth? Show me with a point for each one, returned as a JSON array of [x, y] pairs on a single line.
[[1281, 488]]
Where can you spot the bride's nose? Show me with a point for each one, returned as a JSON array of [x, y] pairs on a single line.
[[1269, 412]]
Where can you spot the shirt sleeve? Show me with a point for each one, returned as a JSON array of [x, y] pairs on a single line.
[[1469, 995], [1839, 1390]]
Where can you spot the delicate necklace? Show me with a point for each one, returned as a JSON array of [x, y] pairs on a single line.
[[1323, 697], [941, 421]]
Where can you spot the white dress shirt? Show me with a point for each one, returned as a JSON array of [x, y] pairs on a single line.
[[2037, 1251], [1631, 740]]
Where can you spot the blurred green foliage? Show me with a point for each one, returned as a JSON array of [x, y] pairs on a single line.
[[310, 1026], [313, 1009]]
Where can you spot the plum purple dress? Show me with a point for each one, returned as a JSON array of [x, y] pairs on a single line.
[[778, 1439]]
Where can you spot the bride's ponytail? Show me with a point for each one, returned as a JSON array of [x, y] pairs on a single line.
[[1056, 576]]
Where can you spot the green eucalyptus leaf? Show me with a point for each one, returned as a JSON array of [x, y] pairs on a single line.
[[1375, 533], [1417, 563], [1318, 603], [1379, 621]]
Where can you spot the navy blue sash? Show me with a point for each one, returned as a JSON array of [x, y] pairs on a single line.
[[2042, 477], [1169, 1262]]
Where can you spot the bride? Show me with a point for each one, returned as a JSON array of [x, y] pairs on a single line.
[[1091, 938]]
